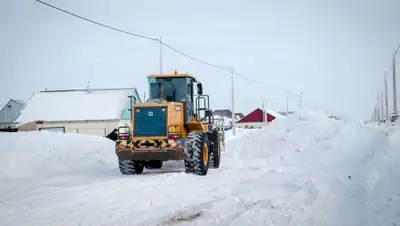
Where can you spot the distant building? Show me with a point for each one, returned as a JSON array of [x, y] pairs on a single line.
[[239, 116], [223, 113], [86, 111], [227, 113], [284, 113], [257, 117], [10, 112]]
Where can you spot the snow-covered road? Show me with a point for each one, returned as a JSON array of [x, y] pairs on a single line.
[[303, 170]]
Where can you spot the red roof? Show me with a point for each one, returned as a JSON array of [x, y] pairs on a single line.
[[256, 116]]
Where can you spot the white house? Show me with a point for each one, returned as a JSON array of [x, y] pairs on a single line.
[[87, 111]]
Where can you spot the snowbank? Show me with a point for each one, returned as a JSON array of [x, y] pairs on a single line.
[[344, 173], [304, 169], [43, 154], [275, 114], [239, 133]]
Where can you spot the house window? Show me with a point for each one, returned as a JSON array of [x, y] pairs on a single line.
[[53, 129]]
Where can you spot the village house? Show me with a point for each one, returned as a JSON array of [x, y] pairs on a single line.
[[85, 111]]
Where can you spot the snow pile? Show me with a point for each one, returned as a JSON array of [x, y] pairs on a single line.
[[275, 114], [76, 105], [239, 133], [27, 155], [305, 169], [343, 173], [375, 190], [294, 133]]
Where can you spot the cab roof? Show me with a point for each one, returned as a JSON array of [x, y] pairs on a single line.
[[175, 75]]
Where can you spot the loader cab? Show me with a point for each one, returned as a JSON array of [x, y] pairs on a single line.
[[178, 88]]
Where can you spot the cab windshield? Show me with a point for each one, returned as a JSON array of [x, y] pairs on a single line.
[[169, 89]]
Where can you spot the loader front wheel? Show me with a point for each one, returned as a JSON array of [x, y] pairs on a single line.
[[130, 167], [199, 153]]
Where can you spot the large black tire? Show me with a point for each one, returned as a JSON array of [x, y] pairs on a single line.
[[215, 156], [130, 167], [199, 152], [154, 164]]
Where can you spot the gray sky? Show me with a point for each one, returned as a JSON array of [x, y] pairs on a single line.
[[334, 51]]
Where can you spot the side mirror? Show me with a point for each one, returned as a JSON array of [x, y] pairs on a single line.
[[199, 89]]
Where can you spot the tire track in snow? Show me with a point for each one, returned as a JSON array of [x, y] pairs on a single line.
[[382, 192], [246, 200], [68, 206], [365, 187], [73, 200]]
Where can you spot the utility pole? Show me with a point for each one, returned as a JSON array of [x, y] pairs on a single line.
[[287, 102], [377, 110], [382, 109], [395, 114], [374, 115], [161, 55], [378, 117], [386, 98], [266, 112], [263, 110], [301, 100], [233, 102]]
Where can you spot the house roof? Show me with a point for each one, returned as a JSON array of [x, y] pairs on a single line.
[[76, 104], [257, 116], [21, 102], [173, 75]]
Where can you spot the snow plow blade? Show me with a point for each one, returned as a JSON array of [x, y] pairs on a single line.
[[152, 154], [149, 153]]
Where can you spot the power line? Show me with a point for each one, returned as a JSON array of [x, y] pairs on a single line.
[[97, 23], [193, 58], [269, 86], [130, 33], [163, 43]]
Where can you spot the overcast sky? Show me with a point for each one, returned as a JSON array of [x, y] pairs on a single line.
[[335, 51]]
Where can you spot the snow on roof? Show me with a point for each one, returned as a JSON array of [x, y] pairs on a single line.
[[275, 114], [21, 102], [74, 105]]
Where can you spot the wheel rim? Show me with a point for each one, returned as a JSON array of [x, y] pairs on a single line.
[[205, 154]]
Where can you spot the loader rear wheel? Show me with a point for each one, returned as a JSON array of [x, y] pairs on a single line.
[[199, 152], [215, 157], [130, 167]]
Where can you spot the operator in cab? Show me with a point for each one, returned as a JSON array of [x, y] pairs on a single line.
[[166, 91]]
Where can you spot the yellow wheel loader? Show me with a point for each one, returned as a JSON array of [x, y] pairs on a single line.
[[173, 124]]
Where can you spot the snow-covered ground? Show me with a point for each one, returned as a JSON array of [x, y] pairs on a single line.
[[302, 170]]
